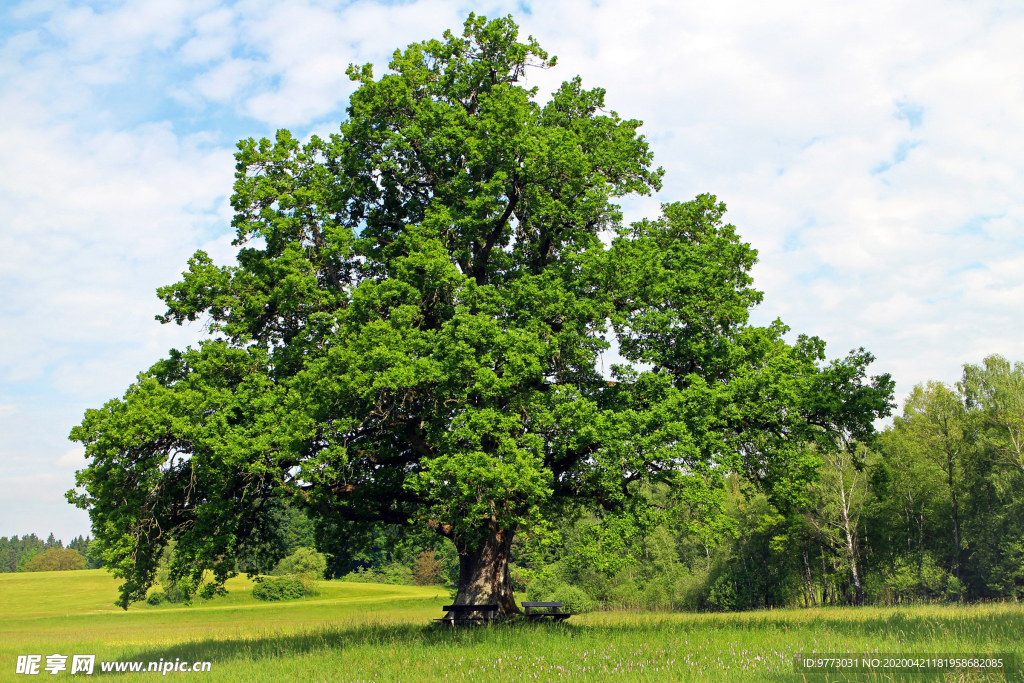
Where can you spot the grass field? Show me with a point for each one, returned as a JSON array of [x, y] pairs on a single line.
[[368, 632]]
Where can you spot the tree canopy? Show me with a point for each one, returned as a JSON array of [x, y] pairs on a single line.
[[414, 332]]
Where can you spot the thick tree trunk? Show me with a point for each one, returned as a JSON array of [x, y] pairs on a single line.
[[483, 573]]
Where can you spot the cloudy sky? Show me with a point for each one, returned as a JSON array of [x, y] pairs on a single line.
[[872, 151]]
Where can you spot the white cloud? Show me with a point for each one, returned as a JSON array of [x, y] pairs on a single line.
[[92, 225], [308, 47], [35, 504], [224, 82], [72, 459], [215, 35]]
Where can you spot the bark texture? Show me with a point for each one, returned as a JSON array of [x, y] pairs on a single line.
[[483, 573]]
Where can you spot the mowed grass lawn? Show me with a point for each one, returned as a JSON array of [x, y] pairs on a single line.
[[369, 632]]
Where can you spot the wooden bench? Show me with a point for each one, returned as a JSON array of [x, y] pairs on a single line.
[[555, 612], [469, 614]]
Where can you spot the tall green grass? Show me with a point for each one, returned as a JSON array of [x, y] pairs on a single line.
[[377, 632]]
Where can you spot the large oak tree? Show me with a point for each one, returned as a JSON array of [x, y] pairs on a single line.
[[413, 337]]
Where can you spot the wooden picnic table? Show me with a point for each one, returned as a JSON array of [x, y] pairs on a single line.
[[555, 612], [465, 614]]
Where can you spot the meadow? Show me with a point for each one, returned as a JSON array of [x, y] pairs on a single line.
[[371, 632]]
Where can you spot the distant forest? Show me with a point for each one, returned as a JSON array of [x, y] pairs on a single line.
[[30, 553]]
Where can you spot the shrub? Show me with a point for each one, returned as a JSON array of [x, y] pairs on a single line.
[[913, 579], [542, 586], [626, 594], [55, 560], [395, 574], [546, 587], [278, 588], [572, 598], [310, 586], [449, 561], [175, 593], [306, 566]]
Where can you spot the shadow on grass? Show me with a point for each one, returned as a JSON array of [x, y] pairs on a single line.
[[341, 637], [929, 631]]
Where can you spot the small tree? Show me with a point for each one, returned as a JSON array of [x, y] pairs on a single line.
[[428, 570], [307, 566], [412, 337], [304, 561], [838, 502]]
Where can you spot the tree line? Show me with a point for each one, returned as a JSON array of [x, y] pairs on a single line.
[[32, 554]]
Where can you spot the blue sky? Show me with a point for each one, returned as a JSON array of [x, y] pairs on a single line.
[[871, 151]]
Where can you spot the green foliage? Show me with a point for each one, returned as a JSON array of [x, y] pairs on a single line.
[[156, 598], [16, 552], [209, 591], [55, 559], [722, 594], [394, 574], [180, 591], [281, 531], [946, 490], [542, 585], [549, 588], [304, 561], [572, 598], [305, 565], [94, 558], [916, 579], [428, 570], [279, 588], [89, 549], [449, 561], [176, 589]]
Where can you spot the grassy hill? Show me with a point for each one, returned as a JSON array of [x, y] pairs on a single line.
[[372, 632]]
